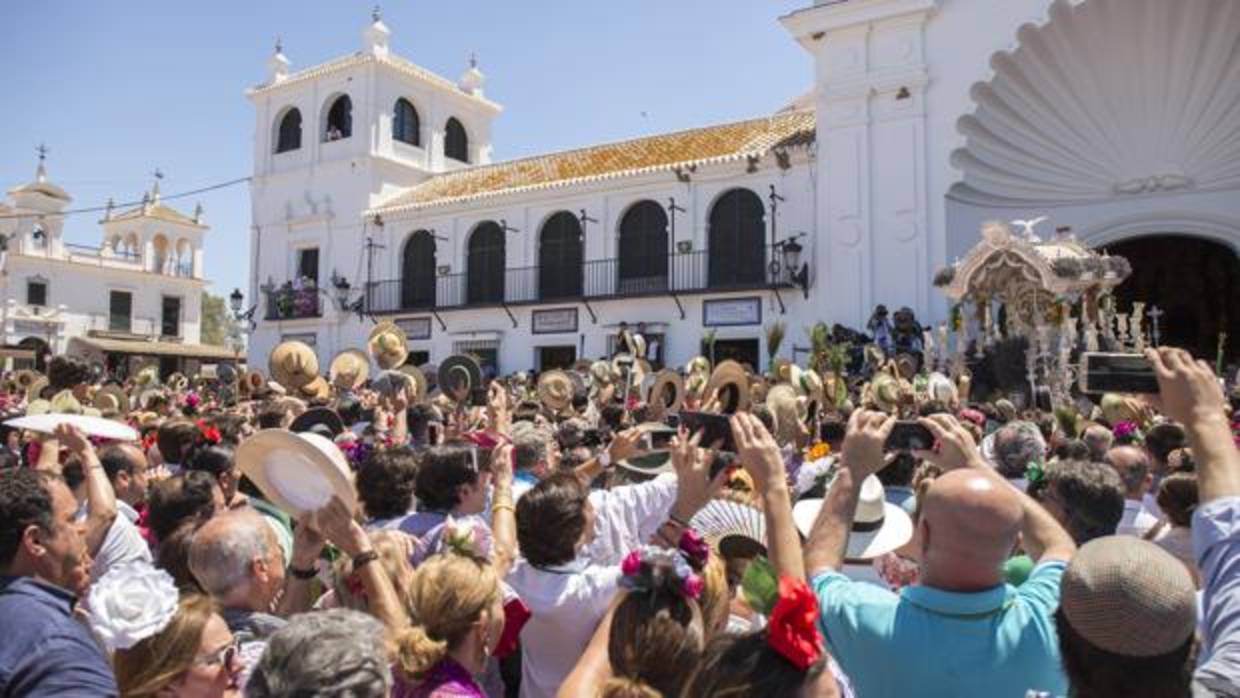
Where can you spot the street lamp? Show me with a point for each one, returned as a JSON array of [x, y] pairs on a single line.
[[236, 300], [343, 288], [798, 272]]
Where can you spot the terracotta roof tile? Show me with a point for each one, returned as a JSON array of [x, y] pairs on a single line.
[[726, 142]]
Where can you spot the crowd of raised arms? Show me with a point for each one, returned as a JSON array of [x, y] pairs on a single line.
[[610, 529]]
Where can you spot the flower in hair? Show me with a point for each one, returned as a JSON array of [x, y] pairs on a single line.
[[647, 567], [694, 548], [468, 537], [793, 626], [1127, 432], [1034, 473], [131, 603], [819, 450], [209, 433]]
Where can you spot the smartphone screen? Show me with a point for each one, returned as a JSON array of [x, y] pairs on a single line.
[[1117, 373], [714, 427], [909, 436]]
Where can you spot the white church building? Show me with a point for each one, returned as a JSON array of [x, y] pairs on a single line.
[[375, 195], [133, 300]]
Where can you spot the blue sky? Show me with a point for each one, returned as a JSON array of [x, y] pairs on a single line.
[[116, 89]]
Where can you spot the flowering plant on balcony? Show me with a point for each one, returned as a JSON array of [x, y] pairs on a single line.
[[297, 299]]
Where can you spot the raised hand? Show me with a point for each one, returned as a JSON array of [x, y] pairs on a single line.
[[1187, 388], [758, 451], [862, 452], [954, 447]]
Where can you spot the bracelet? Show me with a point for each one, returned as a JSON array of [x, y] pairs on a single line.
[[677, 520], [503, 507], [362, 559], [303, 574]]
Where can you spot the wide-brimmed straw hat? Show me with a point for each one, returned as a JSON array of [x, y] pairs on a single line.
[[317, 389], [419, 383], [878, 526], [111, 398], [388, 344], [299, 473], [293, 365], [315, 418], [885, 392], [730, 382], [349, 369], [667, 391], [788, 408], [555, 390], [458, 376], [177, 381]]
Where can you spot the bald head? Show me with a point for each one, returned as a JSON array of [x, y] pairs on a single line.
[[1133, 466], [969, 525], [233, 555]]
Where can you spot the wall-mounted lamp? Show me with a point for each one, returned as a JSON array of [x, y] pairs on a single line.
[[684, 246], [444, 269]]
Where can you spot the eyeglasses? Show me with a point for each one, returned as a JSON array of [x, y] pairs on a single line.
[[224, 656]]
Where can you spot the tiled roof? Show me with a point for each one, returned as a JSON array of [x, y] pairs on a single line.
[[356, 59], [664, 152], [158, 211]]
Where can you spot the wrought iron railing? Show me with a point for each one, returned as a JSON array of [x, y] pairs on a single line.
[[600, 279]]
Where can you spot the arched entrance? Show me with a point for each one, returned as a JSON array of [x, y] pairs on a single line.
[[40, 349], [1194, 281]]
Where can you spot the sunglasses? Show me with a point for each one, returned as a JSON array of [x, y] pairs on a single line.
[[225, 656]]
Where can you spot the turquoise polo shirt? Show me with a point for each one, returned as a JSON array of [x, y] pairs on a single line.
[[928, 642]]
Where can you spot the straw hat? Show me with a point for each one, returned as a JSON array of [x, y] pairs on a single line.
[[885, 392], [299, 473], [555, 390], [601, 374], [940, 388], [36, 387], [349, 369], [788, 408], [878, 526], [147, 377], [253, 382], [624, 366], [324, 417], [112, 397], [317, 389], [293, 365], [418, 382], [25, 378], [668, 387], [698, 364], [906, 365], [1129, 597], [458, 376], [1120, 408], [730, 382], [177, 381], [388, 344]]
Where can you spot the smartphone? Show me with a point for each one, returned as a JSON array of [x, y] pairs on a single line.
[[909, 436], [654, 440], [1117, 373], [714, 427]]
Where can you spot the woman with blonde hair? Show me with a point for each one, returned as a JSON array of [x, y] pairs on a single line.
[[458, 617], [193, 656], [347, 590]]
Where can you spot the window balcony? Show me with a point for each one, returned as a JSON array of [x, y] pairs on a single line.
[[293, 302], [690, 273]]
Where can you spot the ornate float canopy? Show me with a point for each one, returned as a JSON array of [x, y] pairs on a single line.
[[1028, 273]]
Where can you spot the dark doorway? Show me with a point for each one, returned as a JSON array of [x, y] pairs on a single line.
[[1194, 281], [556, 357], [168, 365], [737, 240], [742, 351], [485, 265], [40, 349], [560, 257], [417, 271]]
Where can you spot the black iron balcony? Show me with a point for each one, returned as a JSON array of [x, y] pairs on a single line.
[[293, 302], [601, 279]]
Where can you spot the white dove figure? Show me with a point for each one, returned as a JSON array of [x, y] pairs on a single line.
[[1029, 226]]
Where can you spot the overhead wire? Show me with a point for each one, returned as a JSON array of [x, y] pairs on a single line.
[[126, 204]]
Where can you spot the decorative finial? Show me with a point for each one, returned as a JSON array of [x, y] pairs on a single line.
[[198, 212], [107, 215], [375, 14], [158, 174], [42, 151], [473, 59], [279, 45]]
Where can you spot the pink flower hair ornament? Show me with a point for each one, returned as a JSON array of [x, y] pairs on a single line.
[[651, 568]]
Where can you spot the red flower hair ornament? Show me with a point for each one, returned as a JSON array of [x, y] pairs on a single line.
[[792, 610]]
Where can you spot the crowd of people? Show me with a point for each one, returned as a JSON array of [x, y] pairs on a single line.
[[612, 530]]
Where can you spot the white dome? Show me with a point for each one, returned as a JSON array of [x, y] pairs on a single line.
[[1109, 98]]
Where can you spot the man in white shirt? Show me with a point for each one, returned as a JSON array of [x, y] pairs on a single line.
[[1133, 466], [572, 541]]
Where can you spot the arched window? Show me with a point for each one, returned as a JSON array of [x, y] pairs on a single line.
[[339, 119], [560, 257], [737, 255], [417, 271], [289, 135], [485, 264], [643, 248], [405, 123], [456, 141]]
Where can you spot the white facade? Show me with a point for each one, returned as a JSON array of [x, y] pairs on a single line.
[[55, 292], [1119, 118]]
